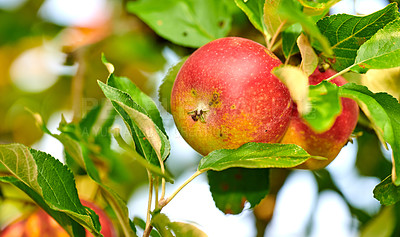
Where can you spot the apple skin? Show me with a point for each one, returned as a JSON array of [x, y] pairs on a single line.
[[42, 224], [329, 143], [225, 95]]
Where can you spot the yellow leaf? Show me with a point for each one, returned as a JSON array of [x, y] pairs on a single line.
[[297, 83], [309, 58]]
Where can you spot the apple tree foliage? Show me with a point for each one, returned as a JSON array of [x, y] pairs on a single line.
[[352, 45]]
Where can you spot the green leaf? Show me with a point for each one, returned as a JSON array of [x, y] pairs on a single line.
[[325, 106], [178, 229], [291, 10], [289, 39], [254, 10], [164, 92], [346, 33], [386, 192], [139, 97], [382, 225], [51, 180], [19, 162], [71, 226], [185, 22], [272, 20], [160, 221], [182, 229], [143, 145], [81, 154], [231, 188], [381, 51], [318, 5], [384, 113], [255, 155]]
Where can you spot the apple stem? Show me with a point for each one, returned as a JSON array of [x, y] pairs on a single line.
[[164, 202], [340, 73], [148, 218]]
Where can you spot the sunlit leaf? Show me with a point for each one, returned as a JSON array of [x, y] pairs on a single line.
[[346, 33], [297, 83], [384, 113], [383, 80], [188, 23], [291, 10], [256, 155], [56, 184], [381, 51], [325, 106]]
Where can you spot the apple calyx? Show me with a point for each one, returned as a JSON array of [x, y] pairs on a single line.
[[199, 113]]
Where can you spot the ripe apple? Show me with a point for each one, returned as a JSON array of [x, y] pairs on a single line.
[[329, 143], [225, 95], [42, 224]]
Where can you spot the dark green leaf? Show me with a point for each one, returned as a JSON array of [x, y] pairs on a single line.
[[291, 10], [325, 106], [255, 12], [256, 155], [381, 51], [346, 33], [289, 38], [164, 92], [384, 113], [185, 22], [386, 192], [231, 188]]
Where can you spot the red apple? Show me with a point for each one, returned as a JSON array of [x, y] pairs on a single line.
[[42, 224], [327, 144], [225, 95]]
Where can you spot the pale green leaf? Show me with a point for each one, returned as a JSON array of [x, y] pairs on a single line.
[[297, 83], [381, 51]]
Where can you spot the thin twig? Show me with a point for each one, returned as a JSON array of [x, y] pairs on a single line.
[[164, 202], [77, 86], [148, 219], [340, 73], [275, 36]]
